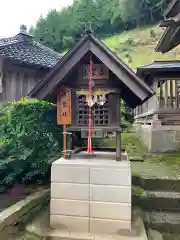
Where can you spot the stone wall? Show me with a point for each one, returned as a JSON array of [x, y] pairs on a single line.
[[159, 138], [144, 132]]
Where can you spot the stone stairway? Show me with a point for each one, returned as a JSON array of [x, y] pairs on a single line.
[[160, 202], [163, 221]]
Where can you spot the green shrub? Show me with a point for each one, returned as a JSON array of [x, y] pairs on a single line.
[[29, 137]]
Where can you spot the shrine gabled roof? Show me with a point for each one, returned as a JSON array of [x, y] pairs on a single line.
[[23, 48], [171, 35], [136, 88], [158, 69], [161, 65], [170, 38], [172, 9]]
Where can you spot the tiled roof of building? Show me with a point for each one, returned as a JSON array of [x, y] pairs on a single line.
[[162, 65], [22, 47], [158, 68]]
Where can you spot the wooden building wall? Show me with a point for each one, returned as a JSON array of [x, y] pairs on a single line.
[[18, 80]]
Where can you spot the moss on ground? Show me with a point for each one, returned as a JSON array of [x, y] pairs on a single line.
[[164, 166], [167, 236], [138, 191]]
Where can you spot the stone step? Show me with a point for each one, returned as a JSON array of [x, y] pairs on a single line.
[[167, 236], [157, 183], [157, 201], [163, 221]]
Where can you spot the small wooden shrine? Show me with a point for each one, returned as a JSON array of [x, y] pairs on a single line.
[[88, 84]]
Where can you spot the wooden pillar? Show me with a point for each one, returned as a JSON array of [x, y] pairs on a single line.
[[177, 93], [154, 102], [171, 94], [161, 94], [166, 94], [118, 145], [118, 135], [69, 144]]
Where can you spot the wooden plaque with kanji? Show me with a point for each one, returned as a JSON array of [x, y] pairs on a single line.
[[64, 113]]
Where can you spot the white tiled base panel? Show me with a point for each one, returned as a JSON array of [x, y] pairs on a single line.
[[91, 195]]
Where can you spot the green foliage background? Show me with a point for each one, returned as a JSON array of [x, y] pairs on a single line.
[[29, 138], [61, 29]]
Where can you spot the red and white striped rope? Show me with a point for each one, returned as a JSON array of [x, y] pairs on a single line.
[[90, 108]]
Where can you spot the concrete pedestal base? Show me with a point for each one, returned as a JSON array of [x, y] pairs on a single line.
[[90, 196], [138, 233]]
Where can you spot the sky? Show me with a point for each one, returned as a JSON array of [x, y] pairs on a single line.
[[17, 12]]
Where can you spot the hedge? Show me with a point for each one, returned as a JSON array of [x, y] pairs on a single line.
[[29, 138]]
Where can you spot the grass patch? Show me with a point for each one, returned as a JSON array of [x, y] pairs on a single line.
[[141, 47]]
